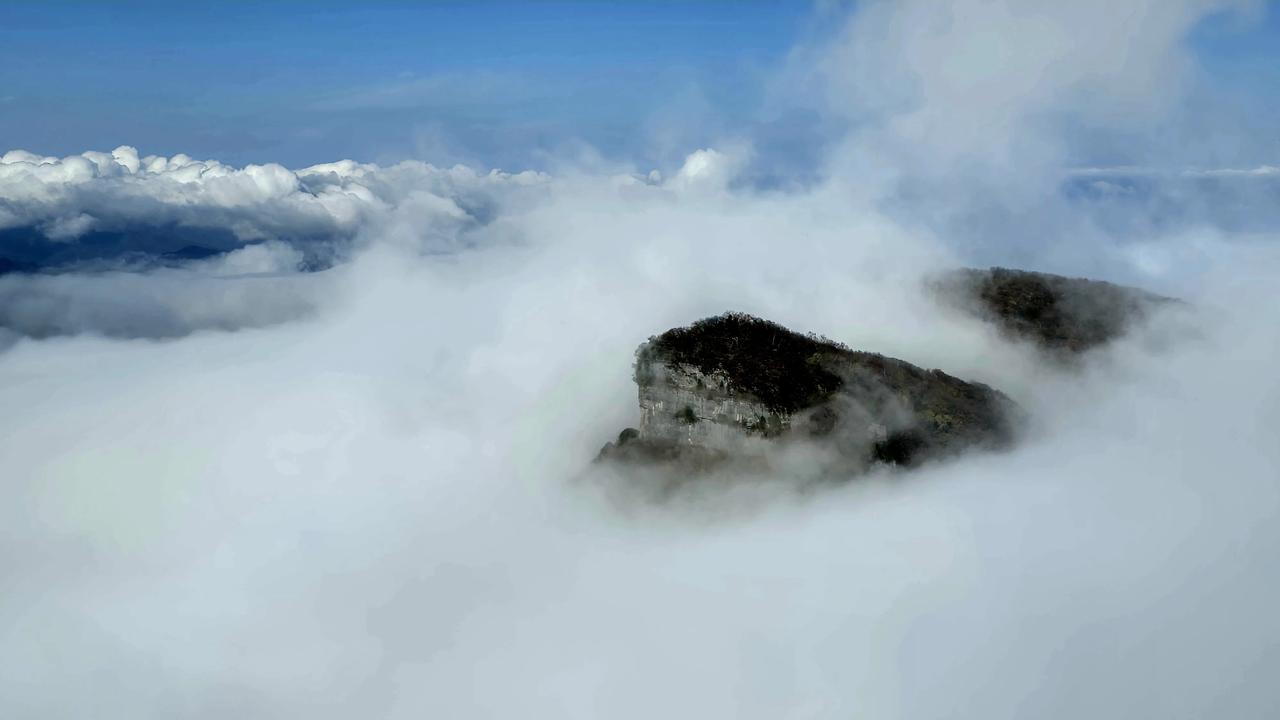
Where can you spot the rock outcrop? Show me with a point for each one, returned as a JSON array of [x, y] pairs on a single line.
[[1060, 314], [731, 387]]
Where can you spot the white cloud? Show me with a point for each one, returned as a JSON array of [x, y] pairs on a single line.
[[375, 510], [110, 191], [1260, 171], [986, 84], [69, 227], [166, 303], [367, 500], [707, 169]]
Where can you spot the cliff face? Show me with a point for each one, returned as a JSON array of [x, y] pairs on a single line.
[[732, 386], [1059, 314], [681, 403]]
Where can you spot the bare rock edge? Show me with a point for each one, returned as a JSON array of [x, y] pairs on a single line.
[[728, 390]]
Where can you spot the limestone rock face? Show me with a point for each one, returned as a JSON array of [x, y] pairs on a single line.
[[1060, 314], [681, 403], [731, 387]]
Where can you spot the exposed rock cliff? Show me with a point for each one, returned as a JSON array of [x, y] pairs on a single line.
[[730, 387], [1060, 314]]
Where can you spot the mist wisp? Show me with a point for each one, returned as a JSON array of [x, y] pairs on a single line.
[[237, 488]]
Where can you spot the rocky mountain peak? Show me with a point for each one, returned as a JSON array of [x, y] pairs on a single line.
[[1059, 314], [734, 385]]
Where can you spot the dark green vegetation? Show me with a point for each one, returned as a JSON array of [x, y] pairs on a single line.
[[1058, 313], [785, 370], [925, 412], [900, 448]]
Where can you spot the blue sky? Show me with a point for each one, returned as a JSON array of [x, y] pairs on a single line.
[[490, 83]]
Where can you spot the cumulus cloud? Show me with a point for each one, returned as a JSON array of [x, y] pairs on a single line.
[[106, 230], [65, 198], [369, 500], [708, 169]]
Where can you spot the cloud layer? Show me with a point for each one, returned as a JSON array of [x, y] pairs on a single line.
[[369, 499], [63, 200], [157, 247]]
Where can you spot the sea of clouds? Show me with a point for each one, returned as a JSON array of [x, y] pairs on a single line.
[[335, 468]]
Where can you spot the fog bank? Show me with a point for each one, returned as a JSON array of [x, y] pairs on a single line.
[[234, 487]]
